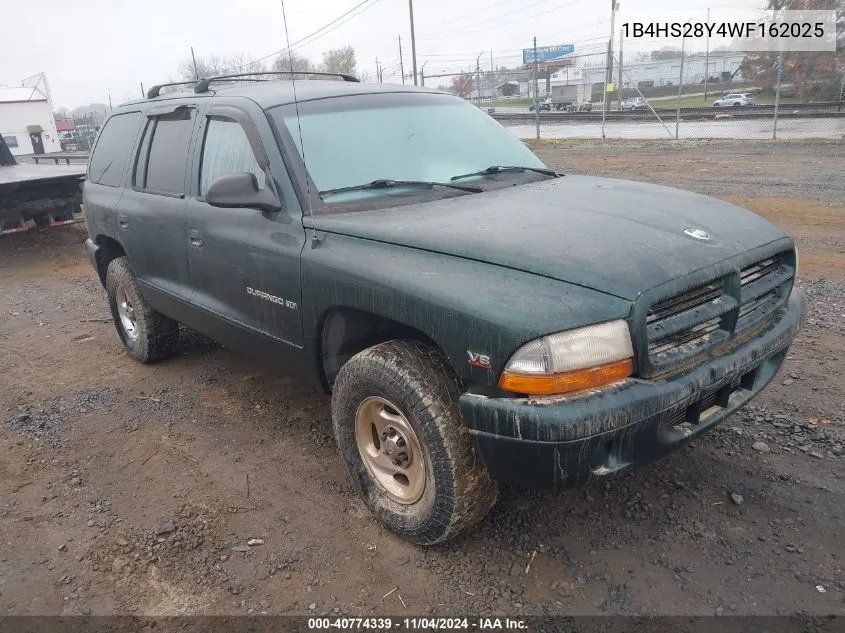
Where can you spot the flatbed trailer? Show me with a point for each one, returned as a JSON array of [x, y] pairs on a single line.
[[38, 196]]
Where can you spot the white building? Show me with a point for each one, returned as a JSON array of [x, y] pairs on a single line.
[[26, 117], [720, 66]]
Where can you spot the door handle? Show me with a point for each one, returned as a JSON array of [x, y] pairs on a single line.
[[195, 238], [123, 221]]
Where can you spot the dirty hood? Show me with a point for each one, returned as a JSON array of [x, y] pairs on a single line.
[[615, 236]]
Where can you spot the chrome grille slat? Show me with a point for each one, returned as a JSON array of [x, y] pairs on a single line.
[[705, 317], [686, 301]]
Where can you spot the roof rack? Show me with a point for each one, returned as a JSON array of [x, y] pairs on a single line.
[[202, 84], [155, 91]]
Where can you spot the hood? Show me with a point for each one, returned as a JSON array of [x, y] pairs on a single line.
[[616, 236]]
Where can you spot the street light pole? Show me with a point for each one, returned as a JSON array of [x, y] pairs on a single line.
[[413, 40]]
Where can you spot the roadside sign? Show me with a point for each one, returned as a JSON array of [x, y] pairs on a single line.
[[547, 53]]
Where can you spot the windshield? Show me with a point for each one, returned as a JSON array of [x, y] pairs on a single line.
[[430, 137]]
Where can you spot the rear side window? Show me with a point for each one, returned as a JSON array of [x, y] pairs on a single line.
[[226, 150], [111, 153], [163, 156]]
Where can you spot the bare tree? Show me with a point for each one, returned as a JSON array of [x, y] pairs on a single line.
[[293, 62], [214, 65], [339, 60]]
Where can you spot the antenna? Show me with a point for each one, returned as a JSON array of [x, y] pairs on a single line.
[[296, 106]]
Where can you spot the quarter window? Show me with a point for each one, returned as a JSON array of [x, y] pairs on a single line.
[[226, 150], [111, 153]]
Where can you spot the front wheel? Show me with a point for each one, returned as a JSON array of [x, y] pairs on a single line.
[[407, 451]]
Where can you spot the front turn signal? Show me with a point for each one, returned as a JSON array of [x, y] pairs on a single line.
[[566, 382]]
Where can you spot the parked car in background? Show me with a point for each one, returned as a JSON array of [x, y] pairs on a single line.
[[543, 106], [634, 103], [735, 99]]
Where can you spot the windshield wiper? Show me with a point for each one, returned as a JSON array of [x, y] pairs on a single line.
[[387, 184], [498, 169]]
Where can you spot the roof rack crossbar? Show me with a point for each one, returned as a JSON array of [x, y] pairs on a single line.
[[155, 91], [202, 84]]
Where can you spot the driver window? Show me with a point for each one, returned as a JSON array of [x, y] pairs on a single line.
[[226, 150]]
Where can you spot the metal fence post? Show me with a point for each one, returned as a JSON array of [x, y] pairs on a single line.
[[680, 91], [777, 95]]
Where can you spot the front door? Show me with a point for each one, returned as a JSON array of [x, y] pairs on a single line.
[[37, 143], [244, 262]]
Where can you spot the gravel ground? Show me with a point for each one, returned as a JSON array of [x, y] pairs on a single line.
[[141, 489]]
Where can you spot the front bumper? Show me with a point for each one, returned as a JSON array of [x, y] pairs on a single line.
[[565, 441]]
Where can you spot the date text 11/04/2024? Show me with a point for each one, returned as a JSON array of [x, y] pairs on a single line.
[[387, 624]]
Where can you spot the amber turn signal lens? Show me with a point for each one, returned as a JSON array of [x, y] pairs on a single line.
[[567, 382]]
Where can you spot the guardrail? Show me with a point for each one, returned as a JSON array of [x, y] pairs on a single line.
[[64, 157]]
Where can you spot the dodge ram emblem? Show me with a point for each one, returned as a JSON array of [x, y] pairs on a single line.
[[697, 234]]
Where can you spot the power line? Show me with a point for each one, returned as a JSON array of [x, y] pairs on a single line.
[[453, 32], [291, 47]]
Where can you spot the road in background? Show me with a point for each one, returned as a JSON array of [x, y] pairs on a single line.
[[788, 129]]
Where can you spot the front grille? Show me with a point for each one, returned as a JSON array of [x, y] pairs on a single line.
[[706, 317], [761, 291], [687, 323]]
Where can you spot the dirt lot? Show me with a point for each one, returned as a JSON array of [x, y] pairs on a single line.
[[133, 489]]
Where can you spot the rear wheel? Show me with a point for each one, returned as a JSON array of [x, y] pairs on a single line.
[[407, 451], [147, 335]]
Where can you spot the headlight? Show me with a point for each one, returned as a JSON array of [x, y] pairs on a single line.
[[570, 361]]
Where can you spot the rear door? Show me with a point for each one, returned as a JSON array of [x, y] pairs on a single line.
[[151, 216], [244, 262], [103, 187]]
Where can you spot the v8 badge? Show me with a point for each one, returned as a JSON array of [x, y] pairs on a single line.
[[479, 360]]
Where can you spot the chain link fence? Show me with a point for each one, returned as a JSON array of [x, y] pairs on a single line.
[[672, 94]]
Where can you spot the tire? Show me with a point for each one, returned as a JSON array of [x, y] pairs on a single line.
[[154, 336], [415, 381]]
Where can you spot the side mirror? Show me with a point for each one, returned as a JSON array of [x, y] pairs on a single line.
[[241, 191]]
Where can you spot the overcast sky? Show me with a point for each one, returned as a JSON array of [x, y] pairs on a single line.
[[97, 48]]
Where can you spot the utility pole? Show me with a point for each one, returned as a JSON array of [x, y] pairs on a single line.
[[492, 77], [707, 57], [143, 94], [378, 71], [401, 63], [422, 74], [619, 81], [608, 74], [413, 40], [110, 108], [196, 72], [680, 90], [478, 76], [536, 100]]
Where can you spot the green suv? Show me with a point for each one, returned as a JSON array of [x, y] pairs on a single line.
[[478, 318]]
